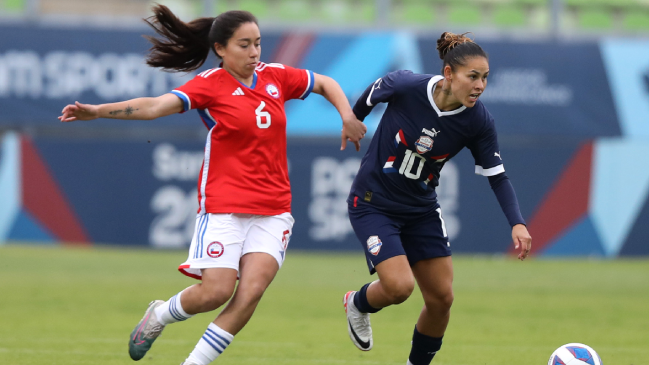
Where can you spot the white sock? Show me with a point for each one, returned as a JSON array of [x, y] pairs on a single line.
[[210, 346], [172, 311], [408, 363]]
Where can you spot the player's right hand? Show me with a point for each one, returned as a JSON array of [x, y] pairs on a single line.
[[522, 239], [353, 130], [78, 111]]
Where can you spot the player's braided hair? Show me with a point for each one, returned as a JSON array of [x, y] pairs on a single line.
[[455, 49], [185, 46]]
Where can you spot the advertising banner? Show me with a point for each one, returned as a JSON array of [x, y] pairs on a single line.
[[44, 69], [627, 68], [575, 198], [543, 88], [535, 88]]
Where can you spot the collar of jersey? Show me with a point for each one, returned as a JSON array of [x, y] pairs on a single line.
[[429, 91], [254, 79]]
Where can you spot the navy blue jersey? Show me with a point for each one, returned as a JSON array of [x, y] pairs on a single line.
[[414, 140]]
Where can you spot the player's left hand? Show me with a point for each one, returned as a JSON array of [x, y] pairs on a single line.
[[353, 130], [522, 239]]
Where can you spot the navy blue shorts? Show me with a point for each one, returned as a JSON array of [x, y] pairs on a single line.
[[418, 236]]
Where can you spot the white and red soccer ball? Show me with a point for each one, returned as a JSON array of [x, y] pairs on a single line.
[[575, 354]]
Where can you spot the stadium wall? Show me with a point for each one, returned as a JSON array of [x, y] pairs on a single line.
[[590, 198], [571, 119]]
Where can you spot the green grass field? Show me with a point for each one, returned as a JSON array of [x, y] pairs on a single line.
[[78, 306]]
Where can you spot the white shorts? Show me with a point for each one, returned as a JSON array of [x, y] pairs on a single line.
[[220, 240]]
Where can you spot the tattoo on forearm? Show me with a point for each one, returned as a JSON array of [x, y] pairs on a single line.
[[128, 111]]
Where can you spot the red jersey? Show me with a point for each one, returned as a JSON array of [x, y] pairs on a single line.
[[245, 167]]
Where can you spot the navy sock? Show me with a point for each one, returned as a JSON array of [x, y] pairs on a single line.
[[423, 348], [360, 301]]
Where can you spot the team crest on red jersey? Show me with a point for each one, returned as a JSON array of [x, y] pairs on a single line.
[[215, 249], [424, 144], [272, 90]]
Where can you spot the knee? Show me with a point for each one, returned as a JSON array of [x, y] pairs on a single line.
[[213, 298], [442, 301], [250, 294], [401, 290], [446, 300]]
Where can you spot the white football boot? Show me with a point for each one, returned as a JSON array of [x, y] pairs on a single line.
[[358, 324]]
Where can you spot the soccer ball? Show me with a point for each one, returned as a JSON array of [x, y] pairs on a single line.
[[574, 354]]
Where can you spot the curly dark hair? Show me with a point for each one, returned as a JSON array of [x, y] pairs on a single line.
[[456, 49]]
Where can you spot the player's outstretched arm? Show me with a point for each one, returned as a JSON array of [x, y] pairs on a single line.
[[506, 196], [353, 129], [140, 108], [522, 239]]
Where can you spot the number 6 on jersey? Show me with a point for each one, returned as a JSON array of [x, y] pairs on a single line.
[[262, 114]]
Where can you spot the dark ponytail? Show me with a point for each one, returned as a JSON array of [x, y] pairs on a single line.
[[456, 49], [185, 46]]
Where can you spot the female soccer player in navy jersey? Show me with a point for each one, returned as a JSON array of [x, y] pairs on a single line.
[[244, 223], [393, 205]]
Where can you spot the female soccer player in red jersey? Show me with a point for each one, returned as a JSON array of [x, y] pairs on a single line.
[[393, 205], [244, 222]]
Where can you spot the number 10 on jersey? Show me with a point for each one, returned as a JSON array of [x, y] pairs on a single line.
[[408, 163]]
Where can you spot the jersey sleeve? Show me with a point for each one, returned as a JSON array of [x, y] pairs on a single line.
[[382, 90], [196, 93], [485, 150], [296, 83], [504, 191]]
